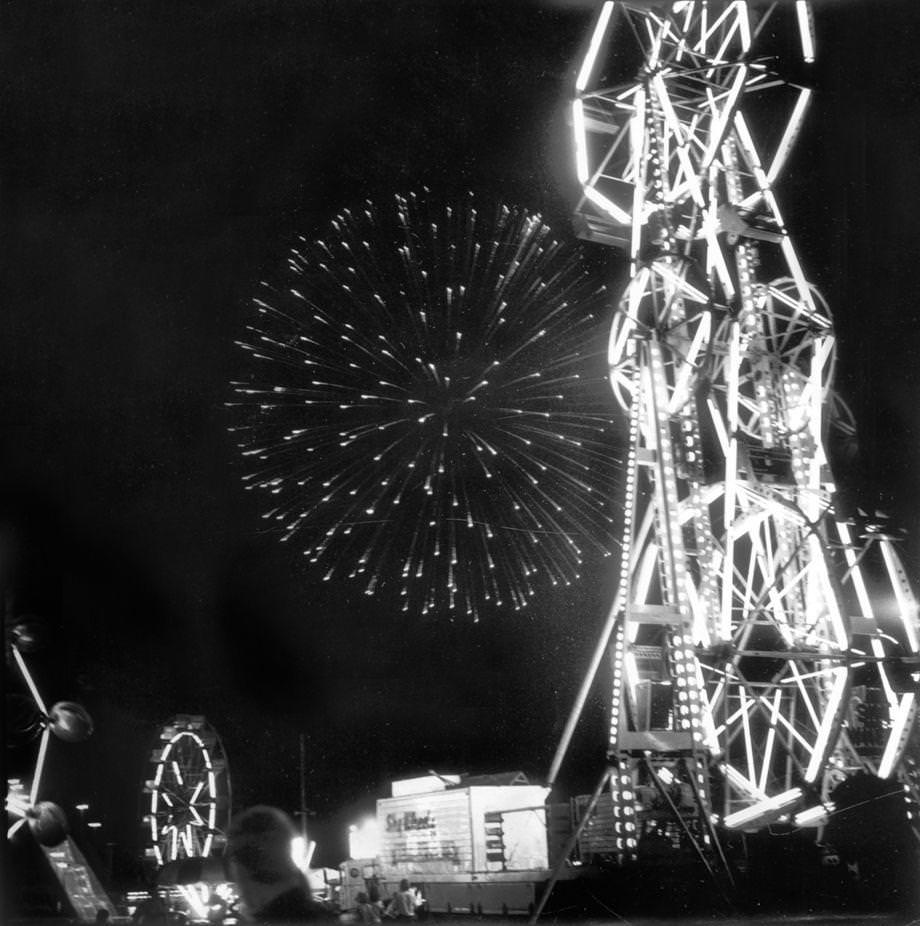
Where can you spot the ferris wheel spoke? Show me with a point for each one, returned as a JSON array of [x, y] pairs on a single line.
[[747, 707], [759, 748], [771, 739], [806, 696], [741, 783], [829, 724], [795, 735], [729, 727]]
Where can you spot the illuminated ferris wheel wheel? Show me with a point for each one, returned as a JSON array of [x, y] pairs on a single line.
[[187, 792], [753, 616]]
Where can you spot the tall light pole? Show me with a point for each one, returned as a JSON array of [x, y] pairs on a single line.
[[110, 860], [81, 809], [303, 788]]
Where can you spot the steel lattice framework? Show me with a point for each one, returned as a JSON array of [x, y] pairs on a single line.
[[752, 617]]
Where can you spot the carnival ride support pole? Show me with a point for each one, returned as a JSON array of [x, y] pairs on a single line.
[[690, 835], [570, 845], [303, 791], [713, 835], [583, 692]]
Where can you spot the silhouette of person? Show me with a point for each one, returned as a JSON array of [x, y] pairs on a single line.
[[365, 911], [272, 888], [403, 902]]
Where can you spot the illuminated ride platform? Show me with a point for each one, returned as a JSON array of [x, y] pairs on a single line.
[[755, 620]]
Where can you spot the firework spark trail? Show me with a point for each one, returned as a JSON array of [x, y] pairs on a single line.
[[425, 406]]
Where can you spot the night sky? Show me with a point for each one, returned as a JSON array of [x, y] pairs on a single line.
[[159, 159]]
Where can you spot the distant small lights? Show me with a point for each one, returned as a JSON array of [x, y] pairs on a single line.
[[424, 405]]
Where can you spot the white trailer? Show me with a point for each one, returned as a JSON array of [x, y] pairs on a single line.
[[469, 844]]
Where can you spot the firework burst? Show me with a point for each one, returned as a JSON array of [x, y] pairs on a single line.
[[424, 408]]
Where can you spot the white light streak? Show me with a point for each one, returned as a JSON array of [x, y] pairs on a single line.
[[878, 650], [637, 147], [742, 783], [806, 697], [789, 136], [765, 808], [710, 737], [27, 676], [680, 282], [646, 571], [715, 416], [584, 75], [894, 746], [746, 707], [855, 573], [828, 725], [813, 816], [196, 899], [17, 804], [767, 758], [717, 131], [581, 144], [907, 605], [664, 100], [631, 671], [688, 367], [806, 30], [611, 208], [731, 464], [40, 765]]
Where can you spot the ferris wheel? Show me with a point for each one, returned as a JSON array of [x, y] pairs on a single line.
[[753, 615], [187, 792]]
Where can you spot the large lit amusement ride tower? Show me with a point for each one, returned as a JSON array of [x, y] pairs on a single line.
[[755, 621]]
